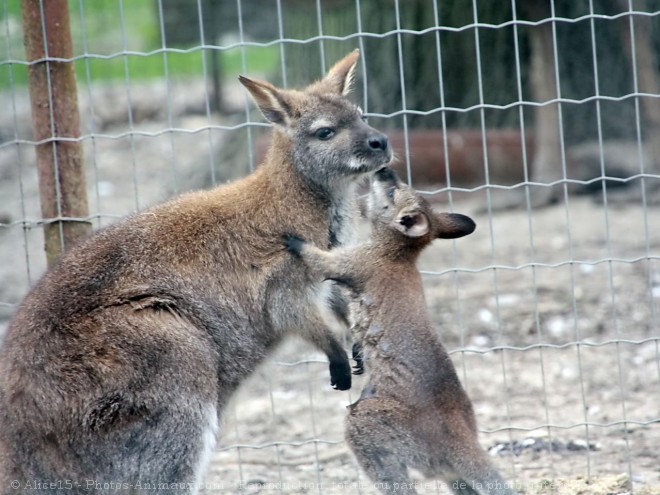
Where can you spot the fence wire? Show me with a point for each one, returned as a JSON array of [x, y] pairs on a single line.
[[549, 311]]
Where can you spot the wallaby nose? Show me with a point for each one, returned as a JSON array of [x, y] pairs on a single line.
[[378, 142]]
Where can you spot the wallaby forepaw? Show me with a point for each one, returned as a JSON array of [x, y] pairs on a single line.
[[293, 243], [358, 369], [340, 376]]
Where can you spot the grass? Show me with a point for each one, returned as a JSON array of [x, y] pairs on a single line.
[[109, 27], [176, 65]]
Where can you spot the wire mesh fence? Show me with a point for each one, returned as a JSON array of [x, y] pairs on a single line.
[[539, 119]]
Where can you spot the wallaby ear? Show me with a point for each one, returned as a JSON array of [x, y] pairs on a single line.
[[413, 223], [453, 225], [340, 77], [272, 102]]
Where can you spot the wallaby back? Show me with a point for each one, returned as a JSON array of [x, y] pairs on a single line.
[[119, 361]]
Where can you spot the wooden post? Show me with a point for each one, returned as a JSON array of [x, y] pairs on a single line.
[[546, 166], [54, 101]]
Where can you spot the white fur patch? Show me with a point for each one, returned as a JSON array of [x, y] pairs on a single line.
[[209, 438], [320, 123], [348, 83], [323, 303], [345, 207], [354, 163]]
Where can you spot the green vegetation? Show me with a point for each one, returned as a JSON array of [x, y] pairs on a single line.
[[179, 65], [111, 27]]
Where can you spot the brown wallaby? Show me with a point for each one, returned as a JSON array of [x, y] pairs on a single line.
[[413, 412], [117, 364]]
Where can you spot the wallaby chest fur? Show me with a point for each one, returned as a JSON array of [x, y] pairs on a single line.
[[119, 361], [399, 341]]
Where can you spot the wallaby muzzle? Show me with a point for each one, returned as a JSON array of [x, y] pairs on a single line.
[[375, 145]]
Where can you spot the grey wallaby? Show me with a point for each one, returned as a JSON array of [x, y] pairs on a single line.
[[117, 365], [413, 411]]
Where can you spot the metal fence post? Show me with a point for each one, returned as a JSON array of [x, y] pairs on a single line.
[[56, 124]]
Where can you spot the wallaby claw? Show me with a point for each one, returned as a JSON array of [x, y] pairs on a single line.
[[340, 376], [358, 369]]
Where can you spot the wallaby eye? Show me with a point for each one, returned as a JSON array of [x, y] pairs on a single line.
[[325, 133], [390, 192]]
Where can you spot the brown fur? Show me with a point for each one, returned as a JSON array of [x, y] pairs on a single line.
[[413, 411], [118, 362]]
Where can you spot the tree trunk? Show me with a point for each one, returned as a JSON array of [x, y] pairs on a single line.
[[547, 162]]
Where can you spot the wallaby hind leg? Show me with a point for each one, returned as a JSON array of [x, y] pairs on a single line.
[[486, 480], [377, 433], [147, 469], [166, 425], [143, 421], [470, 470], [478, 475], [123, 452]]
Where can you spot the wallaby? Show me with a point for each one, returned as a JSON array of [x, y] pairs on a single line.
[[413, 411], [117, 364]]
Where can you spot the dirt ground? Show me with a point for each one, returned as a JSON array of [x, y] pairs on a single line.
[[551, 316]]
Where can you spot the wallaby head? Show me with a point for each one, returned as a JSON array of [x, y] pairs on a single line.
[[320, 130], [395, 209]]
